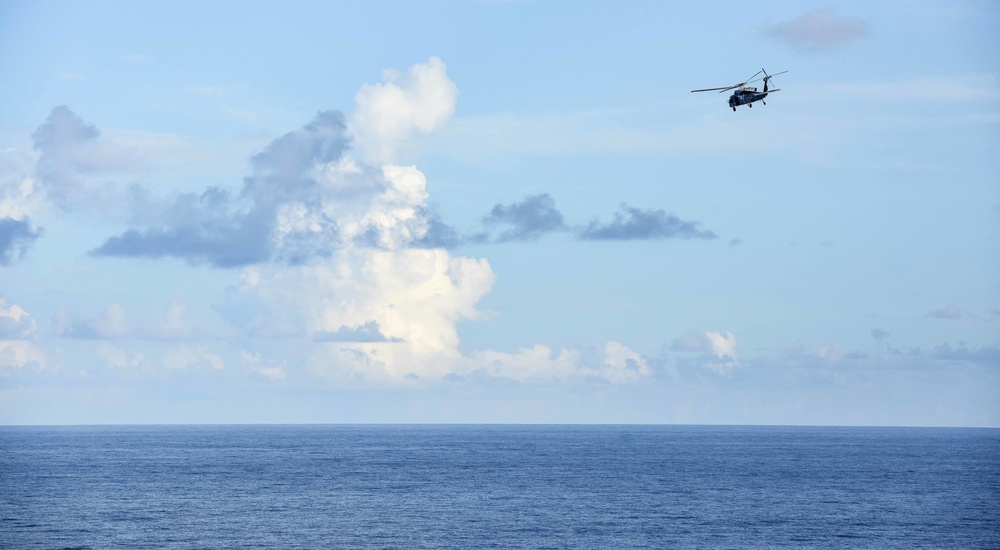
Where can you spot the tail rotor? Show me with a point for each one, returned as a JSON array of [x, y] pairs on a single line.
[[767, 79]]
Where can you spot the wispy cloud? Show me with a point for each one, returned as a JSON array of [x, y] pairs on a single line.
[[950, 311], [982, 356], [969, 87], [115, 324], [818, 30]]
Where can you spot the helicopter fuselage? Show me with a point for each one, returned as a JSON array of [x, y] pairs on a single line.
[[746, 96]]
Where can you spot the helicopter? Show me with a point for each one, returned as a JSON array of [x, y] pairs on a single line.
[[746, 95]]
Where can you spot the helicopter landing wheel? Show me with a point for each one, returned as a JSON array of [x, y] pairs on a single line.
[[764, 102], [750, 105], [734, 109]]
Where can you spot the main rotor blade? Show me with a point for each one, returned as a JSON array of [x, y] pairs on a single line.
[[713, 89]]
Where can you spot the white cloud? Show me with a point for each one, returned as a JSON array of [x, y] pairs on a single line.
[[723, 346], [535, 363], [173, 326], [401, 107], [616, 364], [119, 359], [415, 297], [274, 370], [723, 350], [18, 198], [15, 322], [20, 353], [192, 357], [17, 334], [622, 364]]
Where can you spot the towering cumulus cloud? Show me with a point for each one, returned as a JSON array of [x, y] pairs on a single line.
[[379, 299], [336, 245]]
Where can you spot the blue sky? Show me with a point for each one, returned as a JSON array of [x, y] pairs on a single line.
[[467, 211]]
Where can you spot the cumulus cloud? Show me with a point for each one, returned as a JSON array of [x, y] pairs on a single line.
[[19, 354], [305, 200], [17, 334], [59, 172], [637, 224], [391, 113], [336, 247], [714, 351], [68, 148], [16, 237], [391, 316], [818, 30], [537, 215], [723, 351], [622, 364], [18, 197], [384, 314], [614, 363], [15, 323], [880, 335], [534, 363], [527, 220], [18, 202], [119, 359], [278, 214], [723, 346]]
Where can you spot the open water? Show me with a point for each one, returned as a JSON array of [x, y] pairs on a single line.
[[498, 487]]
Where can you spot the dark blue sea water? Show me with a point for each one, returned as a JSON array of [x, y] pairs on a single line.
[[498, 487]]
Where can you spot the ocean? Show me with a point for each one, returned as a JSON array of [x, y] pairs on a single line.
[[506, 486]]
